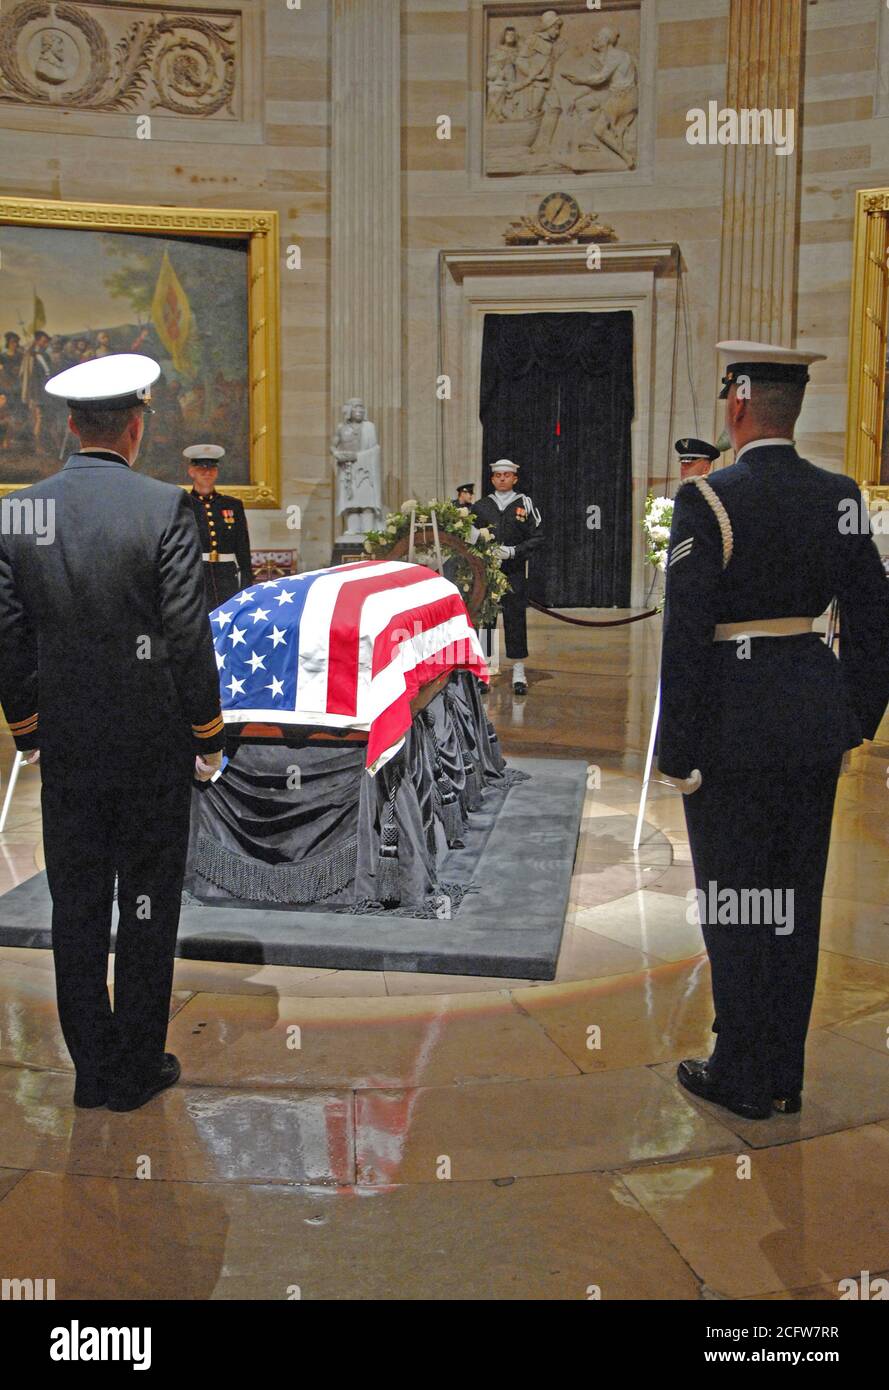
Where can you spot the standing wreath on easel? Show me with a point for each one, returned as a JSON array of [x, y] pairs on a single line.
[[429, 527]]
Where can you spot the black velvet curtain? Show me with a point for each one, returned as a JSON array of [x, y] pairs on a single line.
[[557, 398]]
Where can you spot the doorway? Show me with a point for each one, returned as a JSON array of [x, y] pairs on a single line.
[[557, 398]]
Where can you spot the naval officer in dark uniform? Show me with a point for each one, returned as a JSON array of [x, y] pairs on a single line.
[[516, 525], [108, 675], [222, 526], [465, 495], [757, 713]]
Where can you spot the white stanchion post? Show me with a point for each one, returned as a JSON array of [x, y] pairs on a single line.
[[649, 762], [18, 763]]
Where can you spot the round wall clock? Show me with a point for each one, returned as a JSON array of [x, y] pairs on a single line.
[[558, 213]]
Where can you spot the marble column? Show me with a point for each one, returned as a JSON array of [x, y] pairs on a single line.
[[366, 311], [758, 265]]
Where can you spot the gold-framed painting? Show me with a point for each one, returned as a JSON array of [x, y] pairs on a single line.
[[867, 431], [196, 289]]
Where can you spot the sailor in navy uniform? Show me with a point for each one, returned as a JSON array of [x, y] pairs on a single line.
[[696, 458], [515, 522], [757, 713], [465, 495], [222, 526], [108, 675]]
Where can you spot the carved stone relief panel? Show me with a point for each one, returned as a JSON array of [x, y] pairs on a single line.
[[561, 88], [174, 60]]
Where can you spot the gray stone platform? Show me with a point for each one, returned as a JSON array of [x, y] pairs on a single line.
[[511, 926]]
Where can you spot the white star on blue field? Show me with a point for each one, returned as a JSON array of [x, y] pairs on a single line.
[[256, 637]]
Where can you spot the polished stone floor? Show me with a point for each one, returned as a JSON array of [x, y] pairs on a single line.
[[352, 1135]]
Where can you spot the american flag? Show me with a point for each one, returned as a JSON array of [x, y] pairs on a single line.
[[343, 648]]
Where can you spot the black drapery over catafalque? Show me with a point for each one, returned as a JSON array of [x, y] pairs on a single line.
[[557, 399]]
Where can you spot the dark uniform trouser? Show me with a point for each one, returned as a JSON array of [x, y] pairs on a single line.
[[221, 581], [753, 831], [514, 607], [141, 834]]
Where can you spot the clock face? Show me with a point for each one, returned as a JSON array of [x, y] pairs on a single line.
[[558, 213]]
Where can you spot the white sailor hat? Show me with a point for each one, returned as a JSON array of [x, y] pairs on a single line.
[[765, 362], [115, 382], [204, 455], [504, 466]]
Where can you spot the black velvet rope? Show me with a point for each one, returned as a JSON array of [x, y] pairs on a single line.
[[592, 622]]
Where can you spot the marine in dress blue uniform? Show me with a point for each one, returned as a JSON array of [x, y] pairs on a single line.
[[107, 668], [757, 713], [517, 528], [222, 527]]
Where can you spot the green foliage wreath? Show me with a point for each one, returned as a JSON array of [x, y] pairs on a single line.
[[457, 521]]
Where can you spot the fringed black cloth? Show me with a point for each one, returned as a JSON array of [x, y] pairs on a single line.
[[304, 826]]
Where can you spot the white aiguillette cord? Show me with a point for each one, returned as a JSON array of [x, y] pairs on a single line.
[[722, 517]]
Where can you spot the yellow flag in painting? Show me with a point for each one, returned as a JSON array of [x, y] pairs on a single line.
[[171, 315], [38, 320]]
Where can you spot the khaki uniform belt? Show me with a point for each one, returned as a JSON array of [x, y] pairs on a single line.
[[763, 627], [220, 559]]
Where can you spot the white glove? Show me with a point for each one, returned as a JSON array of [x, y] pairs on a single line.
[[206, 766], [33, 756], [505, 552], [686, 785]]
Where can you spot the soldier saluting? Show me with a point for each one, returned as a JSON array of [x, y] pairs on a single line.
[[222, 526], [108, 674], [515, 523], [757, 713]]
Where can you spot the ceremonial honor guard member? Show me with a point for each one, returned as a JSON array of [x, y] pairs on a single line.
[[696, 458], [465, 495], [222, 525], [757, 713], [107, 668], [515, 522]]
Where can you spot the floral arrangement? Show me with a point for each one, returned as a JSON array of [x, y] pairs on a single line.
[[456, 521], [656, 524]]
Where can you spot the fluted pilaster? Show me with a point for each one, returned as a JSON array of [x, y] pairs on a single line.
[[366, 218], [758, 265]]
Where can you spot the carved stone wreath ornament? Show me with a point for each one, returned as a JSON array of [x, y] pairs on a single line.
[[58, 54]]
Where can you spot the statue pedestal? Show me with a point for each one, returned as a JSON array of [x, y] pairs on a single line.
[[348, 549]]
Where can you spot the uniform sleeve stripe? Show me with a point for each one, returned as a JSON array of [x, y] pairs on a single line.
[[24, 726], [208, 730], [211, 723]]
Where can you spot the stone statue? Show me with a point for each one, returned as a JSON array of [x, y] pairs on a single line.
[[359, 492]]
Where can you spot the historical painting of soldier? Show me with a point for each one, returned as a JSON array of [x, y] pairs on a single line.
[[56, 320]]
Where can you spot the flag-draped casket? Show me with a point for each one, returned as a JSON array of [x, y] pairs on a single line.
[[342, 648], [331, 661]]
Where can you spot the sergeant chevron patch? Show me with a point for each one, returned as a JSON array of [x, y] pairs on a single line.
[[682, 550]]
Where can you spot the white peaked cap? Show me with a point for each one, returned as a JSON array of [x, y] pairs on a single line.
[[768, 352], [504, 466], [203, 451], [111, 383]]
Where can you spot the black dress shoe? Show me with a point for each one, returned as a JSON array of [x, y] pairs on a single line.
[[90, 1095], [168, 1075], [695, 1076], [789, 1105], [519, 688]]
